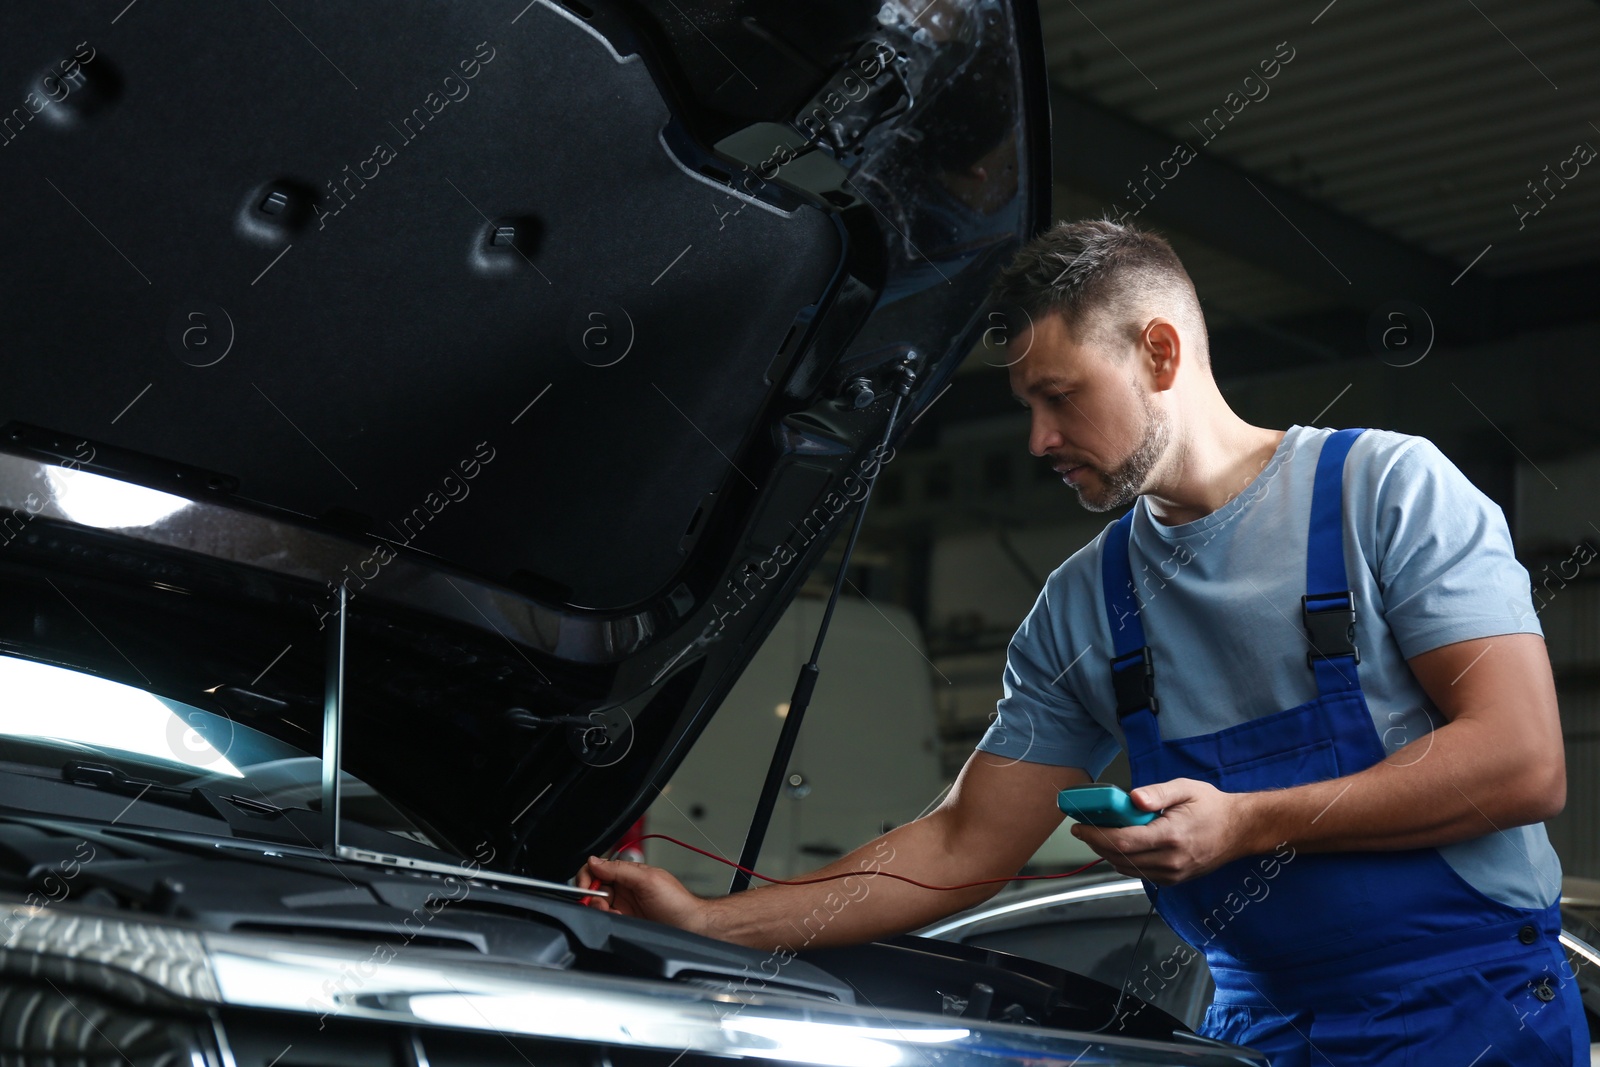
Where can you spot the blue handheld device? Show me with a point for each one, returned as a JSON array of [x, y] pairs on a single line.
[[1102, 805]]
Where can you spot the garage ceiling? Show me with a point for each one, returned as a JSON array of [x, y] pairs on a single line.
[[1388, 159], [1424, 120]]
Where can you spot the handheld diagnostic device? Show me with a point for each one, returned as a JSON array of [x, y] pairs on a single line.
[[1102, 805]]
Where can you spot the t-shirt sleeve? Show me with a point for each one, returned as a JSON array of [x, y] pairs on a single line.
[[1039, 718], [1446, 567]]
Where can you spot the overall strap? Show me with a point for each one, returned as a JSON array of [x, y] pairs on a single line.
[[1132, 674], [1328, 608], [1116, 577]]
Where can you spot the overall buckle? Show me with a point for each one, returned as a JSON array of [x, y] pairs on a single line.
[[1133, 679], [1330, 621]]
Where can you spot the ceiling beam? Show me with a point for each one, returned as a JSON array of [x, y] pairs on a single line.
[[1100, 151]]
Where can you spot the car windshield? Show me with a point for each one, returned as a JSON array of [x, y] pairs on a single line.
[[49, 702], [51, 716]]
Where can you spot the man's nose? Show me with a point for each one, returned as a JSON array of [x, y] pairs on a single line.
[[1043, 438]]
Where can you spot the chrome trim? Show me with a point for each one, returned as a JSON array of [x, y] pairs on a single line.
[[172, 957], [1580, 946], [418, 988], [418, 1054], [1125, 887], [224, 533], [412, 986], [224, 1050]]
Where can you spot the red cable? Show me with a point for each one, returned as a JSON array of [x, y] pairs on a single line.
[[866, 874]]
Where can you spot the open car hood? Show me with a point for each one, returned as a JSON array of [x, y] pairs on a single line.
[[562, 337]]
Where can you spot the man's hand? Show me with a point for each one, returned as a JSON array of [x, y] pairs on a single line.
[[1496, 762], [644, 892], [1199, 830]]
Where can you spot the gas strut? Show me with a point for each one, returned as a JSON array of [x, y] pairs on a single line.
[[806, 683]]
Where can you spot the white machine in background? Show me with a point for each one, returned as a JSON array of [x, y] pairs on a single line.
[[866, 758]]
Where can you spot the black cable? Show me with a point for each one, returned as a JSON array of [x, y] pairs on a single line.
[[1122, 991]]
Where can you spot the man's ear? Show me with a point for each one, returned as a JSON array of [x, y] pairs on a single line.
[[1162, 349]]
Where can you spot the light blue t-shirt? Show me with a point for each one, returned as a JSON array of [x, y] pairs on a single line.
[[1430, 562]]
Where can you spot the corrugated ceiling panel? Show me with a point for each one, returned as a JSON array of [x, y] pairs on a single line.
[[1424, 119]]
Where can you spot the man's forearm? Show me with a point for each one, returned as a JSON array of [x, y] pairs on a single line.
[[1463, 780], [862, 906]]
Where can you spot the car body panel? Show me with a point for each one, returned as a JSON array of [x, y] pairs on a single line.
[[547, 344]]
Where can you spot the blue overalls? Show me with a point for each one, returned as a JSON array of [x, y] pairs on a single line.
[[1382, 959]]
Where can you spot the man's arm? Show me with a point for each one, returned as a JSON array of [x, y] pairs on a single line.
[[1497, 762], [997, 815]]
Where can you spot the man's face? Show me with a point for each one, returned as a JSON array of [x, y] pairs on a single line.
[[1091, 417]]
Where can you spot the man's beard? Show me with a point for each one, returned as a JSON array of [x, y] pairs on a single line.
[[1122, 485]]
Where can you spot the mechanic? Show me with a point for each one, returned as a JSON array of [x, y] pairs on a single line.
[[1407, 765]]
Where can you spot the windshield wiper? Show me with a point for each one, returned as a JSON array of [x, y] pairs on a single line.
[[197, 799]]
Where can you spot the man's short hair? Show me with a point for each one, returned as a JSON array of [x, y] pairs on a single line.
[[1100, 276]]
